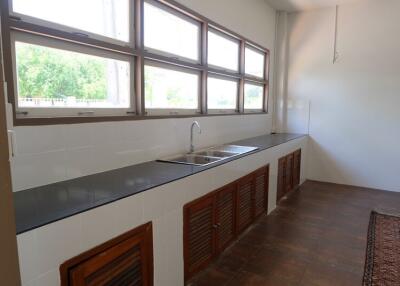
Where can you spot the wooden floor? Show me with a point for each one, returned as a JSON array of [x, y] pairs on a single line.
[[317, 236]]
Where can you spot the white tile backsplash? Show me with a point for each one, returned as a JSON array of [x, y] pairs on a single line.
[[35, 140], [34, 170], [49, 154]]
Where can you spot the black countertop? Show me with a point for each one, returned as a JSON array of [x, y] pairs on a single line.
[[43, 205]]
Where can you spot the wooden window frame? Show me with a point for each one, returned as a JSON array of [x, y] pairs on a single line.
[[139, 55]]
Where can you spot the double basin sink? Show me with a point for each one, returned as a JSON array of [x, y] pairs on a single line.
[[209, 156]]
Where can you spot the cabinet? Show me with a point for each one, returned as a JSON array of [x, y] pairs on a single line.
[[212, 222], [296, 167], [125, 260], [245, 202], [281, 179], [225, 216], [199, 235], [261, 182], [288, 173]]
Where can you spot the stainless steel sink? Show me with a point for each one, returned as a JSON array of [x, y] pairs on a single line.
[[210, 155], [234, 149], [216, 153], [192, 159]]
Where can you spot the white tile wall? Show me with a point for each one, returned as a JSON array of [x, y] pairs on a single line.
[[49, 154], [28, 254], [41, 251]]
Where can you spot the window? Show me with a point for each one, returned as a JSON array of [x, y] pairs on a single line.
[[71, 77], [255, 62], [109, 18], [167, 32], [223, 51], [49, 77], [171, 88], [253, 96], [70, 61], [222, 93]]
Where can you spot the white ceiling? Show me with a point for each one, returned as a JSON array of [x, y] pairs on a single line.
[[301, 5]]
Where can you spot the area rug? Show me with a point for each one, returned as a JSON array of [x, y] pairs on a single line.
[[382, 262]]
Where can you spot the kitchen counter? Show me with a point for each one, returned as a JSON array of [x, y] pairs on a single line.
[[43, 205]]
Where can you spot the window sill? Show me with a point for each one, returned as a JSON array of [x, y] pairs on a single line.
[[91, 119]]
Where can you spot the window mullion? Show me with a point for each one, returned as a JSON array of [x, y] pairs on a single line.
[[266, 97], [204, 63], [266, 86], [242, 78], [139, 66]]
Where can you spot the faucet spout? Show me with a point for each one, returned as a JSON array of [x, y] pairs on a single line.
[[194, 124]]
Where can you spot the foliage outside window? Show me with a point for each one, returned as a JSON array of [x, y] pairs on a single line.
[[50, 77], [222, 93], [170, 89], [253, 97]]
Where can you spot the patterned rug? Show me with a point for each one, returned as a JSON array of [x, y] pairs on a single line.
[[382, 262]]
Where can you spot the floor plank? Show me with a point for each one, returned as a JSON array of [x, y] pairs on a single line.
[[316, 237]]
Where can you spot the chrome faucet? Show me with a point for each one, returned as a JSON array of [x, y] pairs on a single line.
[[195, 123]]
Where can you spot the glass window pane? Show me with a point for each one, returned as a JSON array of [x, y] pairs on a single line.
[[253, 96], [169, 33], [170, 89], [108, 18], [255, 62], [54, 78], [222, 94], [223, 52]]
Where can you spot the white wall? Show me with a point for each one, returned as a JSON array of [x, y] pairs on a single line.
[[354, 104], [48, 154]]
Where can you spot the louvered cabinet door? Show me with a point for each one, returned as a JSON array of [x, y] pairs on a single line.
[[244, 214], [281, 179], [296, 168], [199, 238], [125, 260], [225, 216], [289, 173], [261, 191], [120, 265]]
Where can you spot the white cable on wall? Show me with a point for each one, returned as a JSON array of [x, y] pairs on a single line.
[[275, 85], [335, 50]]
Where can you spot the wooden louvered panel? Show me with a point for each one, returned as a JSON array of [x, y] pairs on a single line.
[[261, 191], [296, 168], [244, 203], [225, 211], [212, 222], [124, 269], [281, 179], [289, 173], [199, 235], [125, 260]]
